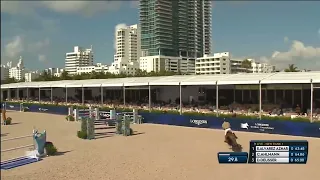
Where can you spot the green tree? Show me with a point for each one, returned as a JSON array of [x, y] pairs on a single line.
[[291, 68], [9, 80], [65, 76], [246, 64]]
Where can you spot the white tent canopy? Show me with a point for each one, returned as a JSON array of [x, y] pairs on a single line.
[[220, 79]]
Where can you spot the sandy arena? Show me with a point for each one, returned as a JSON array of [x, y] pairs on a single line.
[[155, 152]]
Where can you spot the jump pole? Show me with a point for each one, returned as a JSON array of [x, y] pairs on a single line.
[[20, 137], [20, 147]]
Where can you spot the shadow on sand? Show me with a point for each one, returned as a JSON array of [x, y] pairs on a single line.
[[4, 134], [61, 153], [111, 134], [107, 127], [103, 135], [135, 133], [15, 123]]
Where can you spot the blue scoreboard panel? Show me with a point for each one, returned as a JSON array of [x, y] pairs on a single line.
[[278, 152], [269, 152], [233, 157]]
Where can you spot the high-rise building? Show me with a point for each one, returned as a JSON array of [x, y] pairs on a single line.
[[175, 28], [128, 50], [79, 57], [30, 76], [18, 71], [128, 43]]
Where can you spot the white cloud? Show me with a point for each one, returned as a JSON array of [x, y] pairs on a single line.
[[14, 47], [303, 56], [20, 45], [18, 7], [39, 45], [86, 8]]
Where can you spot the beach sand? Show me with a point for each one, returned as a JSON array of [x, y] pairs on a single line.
[[155, 152]]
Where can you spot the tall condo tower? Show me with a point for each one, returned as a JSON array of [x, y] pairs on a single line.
[[175, 28]]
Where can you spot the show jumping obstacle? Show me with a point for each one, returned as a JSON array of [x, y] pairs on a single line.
[[90, 116], [38, 143], [107, 116]]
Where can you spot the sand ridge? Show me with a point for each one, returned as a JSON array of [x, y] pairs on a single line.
[[156, 152]]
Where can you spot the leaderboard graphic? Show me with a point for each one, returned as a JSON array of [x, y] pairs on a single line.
[[269, 152]]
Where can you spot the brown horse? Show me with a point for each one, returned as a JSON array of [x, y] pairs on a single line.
[[231, 140]]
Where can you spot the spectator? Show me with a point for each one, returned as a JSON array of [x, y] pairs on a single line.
[[298, 110]]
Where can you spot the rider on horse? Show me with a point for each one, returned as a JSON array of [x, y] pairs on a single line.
[[227, 129]]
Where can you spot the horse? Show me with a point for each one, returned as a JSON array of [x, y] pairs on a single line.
[[231, 140]]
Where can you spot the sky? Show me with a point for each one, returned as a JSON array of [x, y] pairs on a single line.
[[279, 33]]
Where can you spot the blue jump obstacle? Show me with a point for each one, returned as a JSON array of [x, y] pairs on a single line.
[[13, 163], [39, 140], [104, 115]]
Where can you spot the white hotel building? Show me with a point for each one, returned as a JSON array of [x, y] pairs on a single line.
[[166, 63], [221, 63], [89, 69], [30, 76], [128, 50], [260, 67], [78, 58], [18, 71], [127, 53]]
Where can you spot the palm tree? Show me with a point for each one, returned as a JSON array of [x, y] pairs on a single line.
[[291, 68]]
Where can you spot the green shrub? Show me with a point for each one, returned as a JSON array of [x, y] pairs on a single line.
[[69, 118], [50, 149], [237, 116], [8, 121], [82, 134]]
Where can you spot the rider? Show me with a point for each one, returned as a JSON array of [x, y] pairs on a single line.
[[227, 128]]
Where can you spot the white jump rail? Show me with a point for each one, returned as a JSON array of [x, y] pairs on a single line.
[[19, 137], [19, 147], [15, 148]]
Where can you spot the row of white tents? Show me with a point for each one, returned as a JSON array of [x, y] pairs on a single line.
[[312, 77]]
